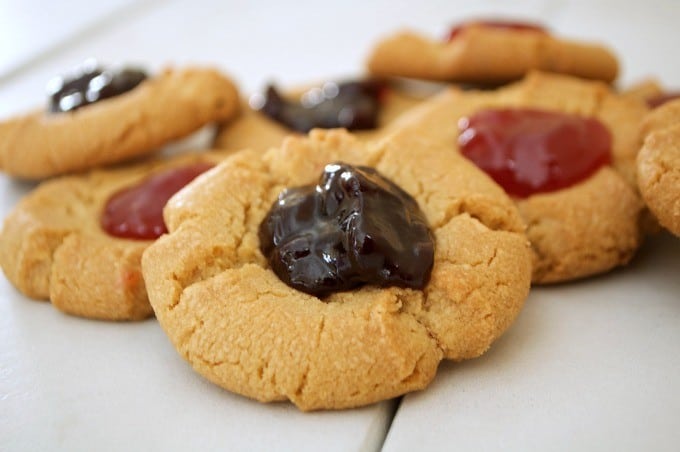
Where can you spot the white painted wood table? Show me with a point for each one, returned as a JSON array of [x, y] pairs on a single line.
[[593, 365]]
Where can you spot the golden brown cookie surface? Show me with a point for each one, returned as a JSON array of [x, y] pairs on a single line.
[[585, 229], [254, 130], [482, 54], [53, 247], [244, 329], [162, 108], [658, 165]]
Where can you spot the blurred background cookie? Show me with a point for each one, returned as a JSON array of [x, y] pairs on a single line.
[[98, 116], [490, 51], [363, 106]]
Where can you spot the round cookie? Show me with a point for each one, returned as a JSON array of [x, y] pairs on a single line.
[[255, 130], [488, 54], [658, 165], [162, 108], [53, 247], [582, 230], [242, 328]]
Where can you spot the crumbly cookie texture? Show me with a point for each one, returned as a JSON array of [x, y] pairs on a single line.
[[489, 55], [52, 246], [583, 230], [242, 328], [256, 131], [162, 108], [658, 165]]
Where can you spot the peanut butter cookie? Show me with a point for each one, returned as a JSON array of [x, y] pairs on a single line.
[[489, 52], [135, 122], [582, 228], [243, 328], [74, 242], [658, 165]]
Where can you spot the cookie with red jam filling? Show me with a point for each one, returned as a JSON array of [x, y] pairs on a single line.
[[564, 149], [77, 240]]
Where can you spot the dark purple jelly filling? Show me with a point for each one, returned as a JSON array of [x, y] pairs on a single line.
[[90, 84], [350, 105], [355, 227]]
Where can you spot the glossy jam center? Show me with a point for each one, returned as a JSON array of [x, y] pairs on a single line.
[[533, 151], [352, 105], [499, 24], [661, 99], [136, 212], [90, 84], [354, 227]]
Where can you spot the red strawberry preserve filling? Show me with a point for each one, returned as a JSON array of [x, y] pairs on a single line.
[[136, 212], [529, 151], [497, 24]]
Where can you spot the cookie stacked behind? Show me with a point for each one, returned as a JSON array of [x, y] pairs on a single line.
[[53, 245], [588, 228], [137, 122], [256, 129], [658, 165], [489, 52]]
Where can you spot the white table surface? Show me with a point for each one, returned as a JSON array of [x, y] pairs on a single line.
[[31, 28], [588, 366]]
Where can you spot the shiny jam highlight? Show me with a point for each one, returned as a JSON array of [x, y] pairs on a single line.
[[529, 151], [354, 227], [136, 212], [90, 84]]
